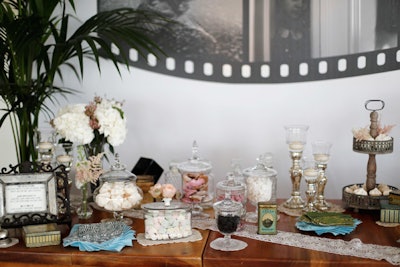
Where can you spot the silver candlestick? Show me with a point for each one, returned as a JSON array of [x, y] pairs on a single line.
[[296, 136], [321, 156], [310, 173]]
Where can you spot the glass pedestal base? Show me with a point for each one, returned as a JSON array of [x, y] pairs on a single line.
[[294, 202], [321, 204], [228, 244]]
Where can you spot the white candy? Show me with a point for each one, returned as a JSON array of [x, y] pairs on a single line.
[[118, 196], [164, 225], [360, 191], [102, 200], [106, 187], [259, 189], [375, 192]]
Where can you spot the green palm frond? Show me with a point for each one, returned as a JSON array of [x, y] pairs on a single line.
[[36, 45]]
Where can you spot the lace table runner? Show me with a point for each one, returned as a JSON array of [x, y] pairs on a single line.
[[196, 236], [353, 247]]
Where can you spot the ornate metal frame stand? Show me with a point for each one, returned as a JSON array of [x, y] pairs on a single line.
[[63, 196]]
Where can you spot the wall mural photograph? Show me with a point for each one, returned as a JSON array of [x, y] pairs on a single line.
[[272, 41]]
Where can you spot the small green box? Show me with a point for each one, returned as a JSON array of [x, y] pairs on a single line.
[[41, 235], [394, 197], [390, 213], [267, 218]]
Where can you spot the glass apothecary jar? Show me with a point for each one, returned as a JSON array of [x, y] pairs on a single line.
[[237, 192], [197, 182], [167, 222], [118, 191], [227, 217], [261, 187], [236, 189]]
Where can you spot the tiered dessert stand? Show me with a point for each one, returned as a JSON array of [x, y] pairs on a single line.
[[372, 148]]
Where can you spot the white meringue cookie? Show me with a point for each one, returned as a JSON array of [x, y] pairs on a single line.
[[361, 191]]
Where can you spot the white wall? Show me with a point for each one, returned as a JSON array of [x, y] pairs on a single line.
[[165, 114]]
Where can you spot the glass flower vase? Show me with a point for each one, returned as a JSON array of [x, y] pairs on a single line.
[[84, 211]]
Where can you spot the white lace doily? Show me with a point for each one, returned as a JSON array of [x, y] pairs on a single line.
[[195, 236], [353, 247]]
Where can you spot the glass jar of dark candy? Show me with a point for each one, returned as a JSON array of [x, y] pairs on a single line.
[[228, 214]]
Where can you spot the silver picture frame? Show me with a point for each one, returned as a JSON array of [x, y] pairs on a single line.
[[28, 193]]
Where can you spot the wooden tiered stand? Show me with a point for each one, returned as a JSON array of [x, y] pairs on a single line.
[[372, 148]]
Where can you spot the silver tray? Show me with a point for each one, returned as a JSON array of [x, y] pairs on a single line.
[[373, 147], [363, 202]]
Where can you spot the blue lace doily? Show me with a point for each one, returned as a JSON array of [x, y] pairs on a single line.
[[111, 236], [335, 230]]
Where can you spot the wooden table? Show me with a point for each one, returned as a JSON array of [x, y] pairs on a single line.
[[179, 254], [260, 253], [199, 253]]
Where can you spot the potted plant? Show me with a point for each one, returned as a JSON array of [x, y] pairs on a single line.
[[35, 45]]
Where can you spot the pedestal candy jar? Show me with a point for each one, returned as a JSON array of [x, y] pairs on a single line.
[[227, 217], [197, 182], [261, 187], [118, 191], [237, 192]]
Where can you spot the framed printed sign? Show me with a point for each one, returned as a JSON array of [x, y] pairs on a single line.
[[28, 198]]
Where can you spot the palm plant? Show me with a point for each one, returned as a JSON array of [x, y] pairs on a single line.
[[35, 47]]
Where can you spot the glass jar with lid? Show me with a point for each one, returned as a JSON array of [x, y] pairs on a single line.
[[197, 182], [118, 191], [227, 217], [261, 186], [236, 190], [163, 222]]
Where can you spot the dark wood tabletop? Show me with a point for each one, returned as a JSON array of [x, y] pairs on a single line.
[[177, 254], [200, 253], [260, 253]]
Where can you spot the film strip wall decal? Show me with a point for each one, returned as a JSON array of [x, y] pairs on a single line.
[[270, 72], [271, 41]]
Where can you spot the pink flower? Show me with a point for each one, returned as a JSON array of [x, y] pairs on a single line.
[[168, 190], [88, 171], [156, 190]]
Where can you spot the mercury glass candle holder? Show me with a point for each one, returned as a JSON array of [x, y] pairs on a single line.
[[46, 137], [321, 152], [310, 173], [296, 136]]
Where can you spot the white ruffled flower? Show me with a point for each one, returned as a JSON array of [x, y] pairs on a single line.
[[112, 123], [72, 123], [78, 123]]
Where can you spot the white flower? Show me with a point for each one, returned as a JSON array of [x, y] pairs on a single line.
[[78, 123], [72, 124], [111, 121]]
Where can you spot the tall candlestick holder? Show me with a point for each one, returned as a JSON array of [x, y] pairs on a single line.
[[310, 173], [296, 136], [321, 154]]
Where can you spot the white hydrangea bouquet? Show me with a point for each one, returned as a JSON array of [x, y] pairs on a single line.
[[101, 121], [92, 126]]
